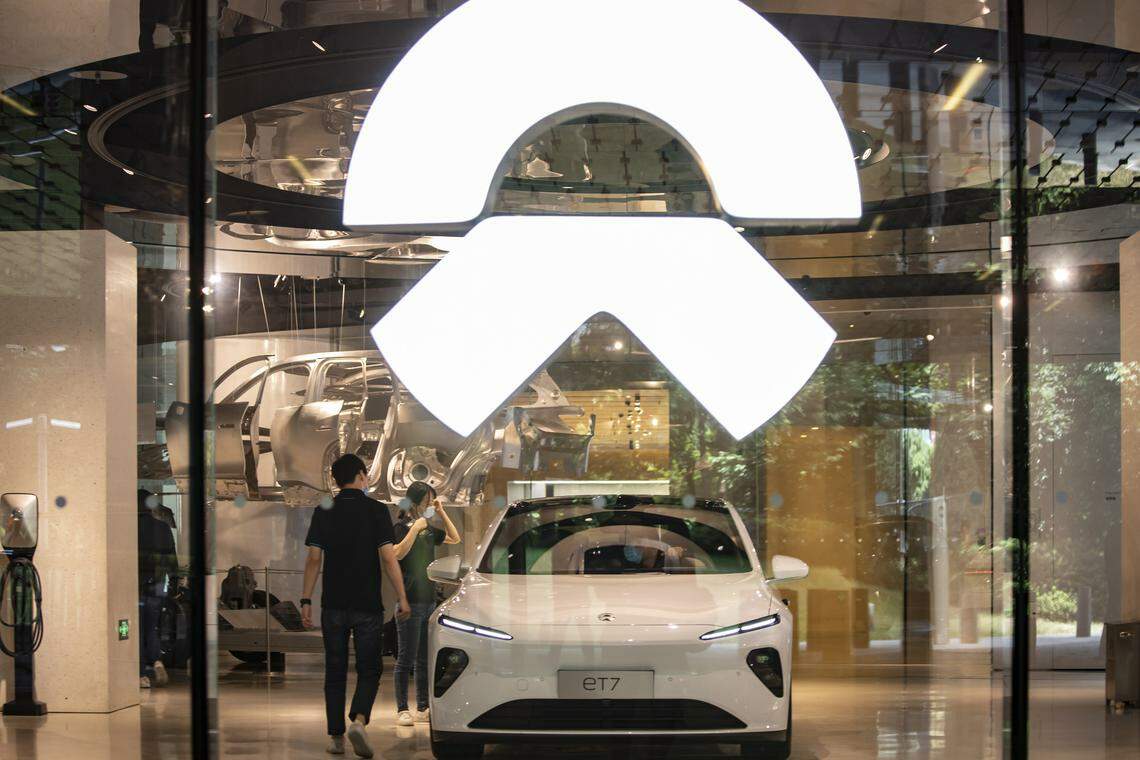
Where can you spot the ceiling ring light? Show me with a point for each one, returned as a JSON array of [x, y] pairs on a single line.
[[715, 71]]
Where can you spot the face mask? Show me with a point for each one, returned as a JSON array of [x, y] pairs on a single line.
[[429, 513]]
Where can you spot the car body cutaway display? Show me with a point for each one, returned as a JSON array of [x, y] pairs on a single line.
[[613, 616], [307, 410]]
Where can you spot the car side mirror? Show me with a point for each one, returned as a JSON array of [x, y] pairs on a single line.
[[788, 568], [447, 570]]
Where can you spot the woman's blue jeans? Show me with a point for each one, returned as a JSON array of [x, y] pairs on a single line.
[[411, 655]]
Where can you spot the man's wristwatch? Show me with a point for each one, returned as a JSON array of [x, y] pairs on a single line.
[[307, 601]]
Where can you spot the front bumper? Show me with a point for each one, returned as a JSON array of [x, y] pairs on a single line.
[[509, 689]]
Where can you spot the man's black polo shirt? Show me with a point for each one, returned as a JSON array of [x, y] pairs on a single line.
[[351, 533]]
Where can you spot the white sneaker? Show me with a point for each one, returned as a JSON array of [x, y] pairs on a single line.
[[161, 678], [423, 716], [144, 682], [359, 740], [336, 745], [404, 718]]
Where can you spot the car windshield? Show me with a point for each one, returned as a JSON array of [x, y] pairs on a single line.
[[616, 536]]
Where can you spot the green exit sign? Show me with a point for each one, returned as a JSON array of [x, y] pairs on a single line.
[[124, 630]]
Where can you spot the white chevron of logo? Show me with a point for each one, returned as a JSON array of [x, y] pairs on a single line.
[[715, 313], [510, 292]]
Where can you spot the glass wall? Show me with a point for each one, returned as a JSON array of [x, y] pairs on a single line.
[[188, 318], [94, 321], [1081, 235]]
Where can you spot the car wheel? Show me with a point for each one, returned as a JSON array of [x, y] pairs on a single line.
[[771, 750], [455, 750]]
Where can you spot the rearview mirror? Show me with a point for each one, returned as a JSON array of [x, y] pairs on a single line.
[[447, 570], [788, 568]]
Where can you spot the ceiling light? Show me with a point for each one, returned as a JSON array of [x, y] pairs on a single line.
[[618, 345], [940, 48], [318, 46], [929, 337], [987, 407], [1062, 275], [99, 75], [91, 108], [128, 171], [738, 229], [396, 161], [968, 80]]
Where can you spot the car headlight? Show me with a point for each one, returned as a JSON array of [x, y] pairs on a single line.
[[478, 630], [746, 627]]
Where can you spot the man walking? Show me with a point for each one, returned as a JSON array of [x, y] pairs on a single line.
[[353, 537], [158, 568]]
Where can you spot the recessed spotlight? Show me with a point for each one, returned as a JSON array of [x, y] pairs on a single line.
[[99, 75], [738, 229], [91, 108], [929, 337], [618, 345]]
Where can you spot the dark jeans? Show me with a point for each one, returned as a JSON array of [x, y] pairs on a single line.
[[411, 635], [151, 597], [366, 629]]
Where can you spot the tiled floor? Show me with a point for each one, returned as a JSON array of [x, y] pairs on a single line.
[[835, 718]]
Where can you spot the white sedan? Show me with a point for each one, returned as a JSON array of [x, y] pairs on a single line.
[[587, 619]]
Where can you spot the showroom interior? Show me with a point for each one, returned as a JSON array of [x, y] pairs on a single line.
[[189, 340]]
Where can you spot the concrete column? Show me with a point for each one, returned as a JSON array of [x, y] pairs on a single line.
[[68, 337], [1130, 429]]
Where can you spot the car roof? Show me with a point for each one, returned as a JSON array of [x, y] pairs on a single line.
[[611, 501]]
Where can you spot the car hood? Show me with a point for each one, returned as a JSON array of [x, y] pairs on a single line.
[[642, 599]]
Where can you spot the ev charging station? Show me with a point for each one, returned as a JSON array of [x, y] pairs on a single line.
[[21, 593]]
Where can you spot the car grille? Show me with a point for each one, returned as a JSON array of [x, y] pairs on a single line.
[[589, 715]]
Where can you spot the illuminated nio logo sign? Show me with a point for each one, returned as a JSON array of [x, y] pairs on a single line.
[[714, 312]]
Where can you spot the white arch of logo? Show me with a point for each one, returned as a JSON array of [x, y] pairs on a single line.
[[715, 313]]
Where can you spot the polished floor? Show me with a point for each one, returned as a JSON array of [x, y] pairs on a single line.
[[281, 717]]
